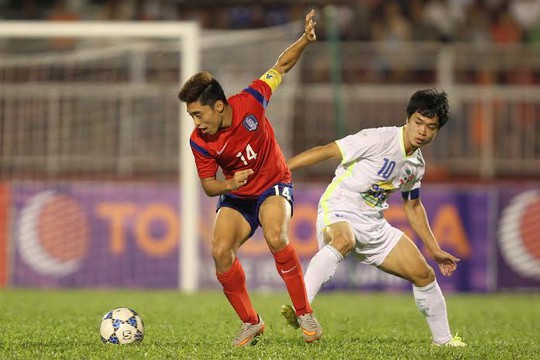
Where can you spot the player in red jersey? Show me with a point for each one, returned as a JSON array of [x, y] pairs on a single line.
[[235, 135]]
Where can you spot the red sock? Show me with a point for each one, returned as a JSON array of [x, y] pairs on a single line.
[[289, 268], [234, 287]]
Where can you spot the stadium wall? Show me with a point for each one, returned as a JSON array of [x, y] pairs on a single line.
[[97, 235]]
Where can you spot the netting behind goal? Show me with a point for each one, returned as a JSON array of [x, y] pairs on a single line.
[[90, 127], [98, 187]]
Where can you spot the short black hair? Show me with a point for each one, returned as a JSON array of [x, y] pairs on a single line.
[[202, 87], [430, 103]]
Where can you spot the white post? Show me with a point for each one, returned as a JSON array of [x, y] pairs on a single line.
[[189, 187]]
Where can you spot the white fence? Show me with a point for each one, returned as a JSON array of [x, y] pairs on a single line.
[[111, 110]]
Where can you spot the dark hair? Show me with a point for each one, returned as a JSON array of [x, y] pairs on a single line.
[[202, 87], [430, 103]]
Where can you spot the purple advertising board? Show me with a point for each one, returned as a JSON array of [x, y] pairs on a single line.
[[95, 235], [518, 240], [127, 235]]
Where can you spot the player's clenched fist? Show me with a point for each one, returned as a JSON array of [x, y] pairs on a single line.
[[309, 27], [239, 179]]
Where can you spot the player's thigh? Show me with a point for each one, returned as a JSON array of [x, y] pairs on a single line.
[[274, 216], [231, 230], [407, 262], [340, 235]]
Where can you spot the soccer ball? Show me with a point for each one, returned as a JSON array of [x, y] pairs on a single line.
[[121, 326]]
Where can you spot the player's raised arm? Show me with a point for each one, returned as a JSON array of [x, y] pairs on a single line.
[[290, 56], [315, 155]]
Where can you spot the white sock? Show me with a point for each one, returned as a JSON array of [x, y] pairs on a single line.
[[321, 269], [430, 301]]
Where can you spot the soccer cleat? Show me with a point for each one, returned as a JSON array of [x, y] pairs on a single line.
[[311, 329], [455, 341], [289, 314], [249, 334]]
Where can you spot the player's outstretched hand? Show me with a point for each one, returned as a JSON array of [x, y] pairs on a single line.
[[239, 179], [447, 262], [309, 27]]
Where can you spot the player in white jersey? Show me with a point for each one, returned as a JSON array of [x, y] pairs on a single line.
[[374, 163]]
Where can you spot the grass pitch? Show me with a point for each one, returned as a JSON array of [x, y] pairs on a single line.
[[65, 324]]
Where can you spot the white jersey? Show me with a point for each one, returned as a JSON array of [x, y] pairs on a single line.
[[375, 165]]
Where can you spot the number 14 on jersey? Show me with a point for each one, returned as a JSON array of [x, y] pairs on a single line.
[[250, 155]]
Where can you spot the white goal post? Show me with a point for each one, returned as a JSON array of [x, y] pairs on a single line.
[[188, 35]]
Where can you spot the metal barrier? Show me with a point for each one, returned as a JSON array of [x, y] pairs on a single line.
[[115, 113]]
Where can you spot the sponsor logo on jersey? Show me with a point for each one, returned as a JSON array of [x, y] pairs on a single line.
[[377, 194], [219, 152], [250, 122]]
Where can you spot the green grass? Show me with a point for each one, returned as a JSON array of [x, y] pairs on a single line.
[[64, 324]]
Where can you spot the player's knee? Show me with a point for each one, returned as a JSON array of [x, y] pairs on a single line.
[[342, 243], [223, 255], [276, 240], [424, 276]]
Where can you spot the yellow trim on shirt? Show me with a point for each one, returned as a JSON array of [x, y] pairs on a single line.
[[402, 142], [272, 77], [331, 189]]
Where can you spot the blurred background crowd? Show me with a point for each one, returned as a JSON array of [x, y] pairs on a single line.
[[394, 22], [477, 21]]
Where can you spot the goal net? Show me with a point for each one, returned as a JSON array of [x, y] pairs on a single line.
[[90, 153], [98, 186]]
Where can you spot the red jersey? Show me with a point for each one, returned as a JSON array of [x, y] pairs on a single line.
[[249, 143]]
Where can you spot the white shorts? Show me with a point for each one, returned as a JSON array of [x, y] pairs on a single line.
[[374, 236]]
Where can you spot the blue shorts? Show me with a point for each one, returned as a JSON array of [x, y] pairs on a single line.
[[249, 208]]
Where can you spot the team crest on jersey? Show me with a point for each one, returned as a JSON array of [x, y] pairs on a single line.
[[409, 177], [250, 122]]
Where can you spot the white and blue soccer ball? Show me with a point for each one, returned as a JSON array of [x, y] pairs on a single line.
[[121, 326]]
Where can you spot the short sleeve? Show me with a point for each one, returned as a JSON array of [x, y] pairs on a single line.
[[258, 92], [360, 145], [206, 165]]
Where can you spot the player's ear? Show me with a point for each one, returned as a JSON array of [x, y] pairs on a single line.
[[219, 106]]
